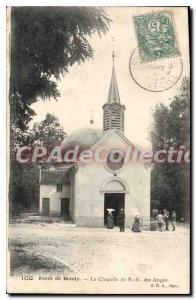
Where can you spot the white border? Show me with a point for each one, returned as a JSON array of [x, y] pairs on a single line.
[[3, 5]]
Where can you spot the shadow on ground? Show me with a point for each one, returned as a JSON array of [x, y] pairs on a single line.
[[22, 260]]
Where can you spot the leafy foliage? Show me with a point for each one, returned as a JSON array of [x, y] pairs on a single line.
[[24, 179], [49, 132], [170, 187], [45, 43]]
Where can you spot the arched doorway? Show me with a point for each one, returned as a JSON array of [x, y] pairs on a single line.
[[114, 190]]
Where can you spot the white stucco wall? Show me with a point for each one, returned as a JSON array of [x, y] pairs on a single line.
[[49, 191], [87, 190], [89, 200]]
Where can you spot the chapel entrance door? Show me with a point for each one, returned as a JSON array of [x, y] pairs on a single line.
[[114, 201]]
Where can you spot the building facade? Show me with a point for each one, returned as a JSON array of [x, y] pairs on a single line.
[[83, 191]]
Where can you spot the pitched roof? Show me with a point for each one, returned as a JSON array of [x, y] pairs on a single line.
[[113, 95], [85, 138], [54, 177]]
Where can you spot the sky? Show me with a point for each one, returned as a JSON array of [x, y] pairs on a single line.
[[84, 89]]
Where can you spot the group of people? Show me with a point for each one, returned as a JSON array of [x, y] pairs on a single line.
[[163, 217], [121, 221]]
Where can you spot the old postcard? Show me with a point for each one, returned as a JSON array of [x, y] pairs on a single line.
[[99, 150]]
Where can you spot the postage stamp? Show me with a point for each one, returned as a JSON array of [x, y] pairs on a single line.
[[156, 36]]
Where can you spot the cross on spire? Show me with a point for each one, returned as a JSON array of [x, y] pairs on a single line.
[[113, 53], [113, 95]]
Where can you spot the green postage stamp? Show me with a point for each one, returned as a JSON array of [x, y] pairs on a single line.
[[156, 36]]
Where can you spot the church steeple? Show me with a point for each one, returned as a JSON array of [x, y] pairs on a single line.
[[113, 110], [113, 95]]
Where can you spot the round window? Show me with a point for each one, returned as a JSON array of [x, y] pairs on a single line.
[[115, 160]]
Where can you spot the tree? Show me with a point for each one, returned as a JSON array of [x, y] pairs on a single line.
[[24, 179], [45, 43], [49, 132], [170, 185]]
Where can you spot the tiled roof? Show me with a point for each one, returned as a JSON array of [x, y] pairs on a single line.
[[54, 177], [85, 138]]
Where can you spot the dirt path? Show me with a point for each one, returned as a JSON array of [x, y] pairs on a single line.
[[92, 252]]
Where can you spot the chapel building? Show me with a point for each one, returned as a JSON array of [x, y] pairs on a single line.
[[83, 192]]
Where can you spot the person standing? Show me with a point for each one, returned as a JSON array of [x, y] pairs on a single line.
[[155, 212], [136, 224], [160, 221], [110, 221], [121, 220], [166, 218], [173, 220]]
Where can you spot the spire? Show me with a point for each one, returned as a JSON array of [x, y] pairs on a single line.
[[113, 110], [113, 95]]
